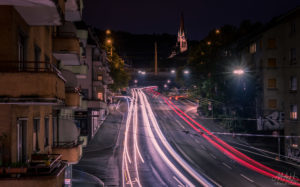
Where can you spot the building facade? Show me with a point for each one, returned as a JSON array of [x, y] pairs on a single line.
[[45, 63], [273, 55]]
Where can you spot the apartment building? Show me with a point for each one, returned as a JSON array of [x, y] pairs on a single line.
[[273, 54], [94, 89], [31, 85], [39, 67]]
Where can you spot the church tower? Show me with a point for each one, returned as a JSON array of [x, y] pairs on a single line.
[[181, 39]]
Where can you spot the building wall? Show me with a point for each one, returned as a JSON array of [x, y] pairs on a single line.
[[13, 25], [285, 35], [9, 117]]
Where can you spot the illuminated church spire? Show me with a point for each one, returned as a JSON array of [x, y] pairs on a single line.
[[181, 39]]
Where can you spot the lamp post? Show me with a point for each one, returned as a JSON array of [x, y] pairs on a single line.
[[109, 42]]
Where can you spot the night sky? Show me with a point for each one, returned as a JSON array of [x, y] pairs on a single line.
[[162, 16]]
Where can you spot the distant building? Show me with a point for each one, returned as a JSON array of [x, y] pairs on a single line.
[[274, 55], [181, 45]]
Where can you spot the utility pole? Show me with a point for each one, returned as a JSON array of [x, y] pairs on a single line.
[[155, 58]]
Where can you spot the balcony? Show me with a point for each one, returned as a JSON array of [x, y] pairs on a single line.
[[38, 12], [31, 82], [70, 151], [45, 170], [80, 71], [73, 10], [97, 83], [72, 98], [66, 48], [107, 79], [96, 104]]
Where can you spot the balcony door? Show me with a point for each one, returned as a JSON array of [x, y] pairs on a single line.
[[22, 140]]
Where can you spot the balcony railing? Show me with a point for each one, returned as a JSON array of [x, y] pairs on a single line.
[[67, 144], [70, 151], [31, 82], [27, 66]]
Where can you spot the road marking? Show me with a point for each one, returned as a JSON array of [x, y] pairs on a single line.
[[203, 147], [197, 141], [181, 126], [177, 180], [213, 156], [246, 178], [226, 165]]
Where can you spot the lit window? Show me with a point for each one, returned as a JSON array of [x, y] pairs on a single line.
[[272, 63], [272, 44], [99, 77], [271, 83], [293, 83], [293, 112], [272, 103], [252, 48], [293, 55], [100, 95]]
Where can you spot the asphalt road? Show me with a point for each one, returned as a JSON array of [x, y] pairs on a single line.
[[153, 144]]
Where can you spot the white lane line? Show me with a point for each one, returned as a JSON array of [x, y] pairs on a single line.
[[181, 125], [197, 141], [212, 155], [226, 165], [246, 178], [203, 147], [177, 180]]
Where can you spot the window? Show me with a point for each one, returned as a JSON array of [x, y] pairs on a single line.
[[293, 55], [293, 112], [271, 83], [21, 52], [293, 28], [271, 63], [252, 48], [85, 93], [46, 135], [36, 129], [272, 103], [293, 83], [100, 95], [272, 43], [99, 77], [22, 140]]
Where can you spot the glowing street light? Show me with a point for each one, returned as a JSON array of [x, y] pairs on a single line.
[[218, 31], [238, 72], [186, 72], [173, 71], [108, 32], [168, 81], [165, 86], [135, 81], [108, 41], [143, 73]]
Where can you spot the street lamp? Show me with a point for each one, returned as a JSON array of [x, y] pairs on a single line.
[[168, 81], [135, 81], [186, 72], [165, 86], [173, 71], [238, 71], [108, 32], [109, 42]]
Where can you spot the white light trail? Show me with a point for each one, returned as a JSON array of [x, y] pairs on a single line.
[[181, 161], [157, 147]]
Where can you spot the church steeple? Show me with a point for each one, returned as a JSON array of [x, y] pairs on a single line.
[[181, 39]]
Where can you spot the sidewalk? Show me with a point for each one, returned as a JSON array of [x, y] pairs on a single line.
[[97, 163]]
